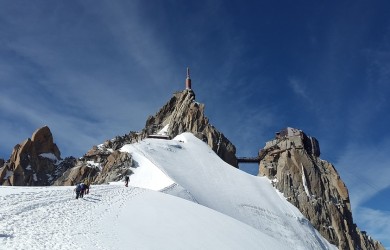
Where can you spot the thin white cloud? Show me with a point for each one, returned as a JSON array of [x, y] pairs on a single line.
[[376, 223], [365, 169], [139, 41], [82, 105], [73, 133], [299, 88]]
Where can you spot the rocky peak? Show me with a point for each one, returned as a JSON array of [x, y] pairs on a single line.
[[183, 114], [42, 139], [291, 160], [34, 162], [180, 114]]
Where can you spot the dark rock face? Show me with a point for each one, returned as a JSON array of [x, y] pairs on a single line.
[[313, 185], [35, 162]]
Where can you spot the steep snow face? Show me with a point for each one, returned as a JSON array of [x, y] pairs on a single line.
[[146, 174], [192, 165]]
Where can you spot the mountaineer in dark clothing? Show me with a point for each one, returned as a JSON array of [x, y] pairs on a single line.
[[86, 191], [83, 188], [78, 190], [127, 178]]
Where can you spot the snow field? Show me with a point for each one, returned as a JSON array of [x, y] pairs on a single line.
[[115, 217]]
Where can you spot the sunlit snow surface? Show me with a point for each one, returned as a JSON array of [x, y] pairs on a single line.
[[223, 208]]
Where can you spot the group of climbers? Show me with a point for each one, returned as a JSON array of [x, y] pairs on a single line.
[[81, 189]]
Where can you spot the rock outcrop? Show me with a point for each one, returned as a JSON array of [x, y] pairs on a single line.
[[101, 164], [116, 167], [35, 162], [313, 185]]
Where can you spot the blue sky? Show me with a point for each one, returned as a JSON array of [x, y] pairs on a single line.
[[91, 70]]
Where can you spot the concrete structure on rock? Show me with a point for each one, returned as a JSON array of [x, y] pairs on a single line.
[[294, 138]]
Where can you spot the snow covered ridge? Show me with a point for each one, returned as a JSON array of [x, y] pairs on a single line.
[[203, 204], [201, 176]]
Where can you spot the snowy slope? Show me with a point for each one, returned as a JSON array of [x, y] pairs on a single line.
[[235, 210], [115, 217], [209, 181]]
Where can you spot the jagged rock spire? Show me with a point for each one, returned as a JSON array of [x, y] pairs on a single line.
[[34, 162], [183, 114]]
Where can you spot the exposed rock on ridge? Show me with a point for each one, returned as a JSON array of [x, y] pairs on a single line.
[[35, 162], [313, 185]]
